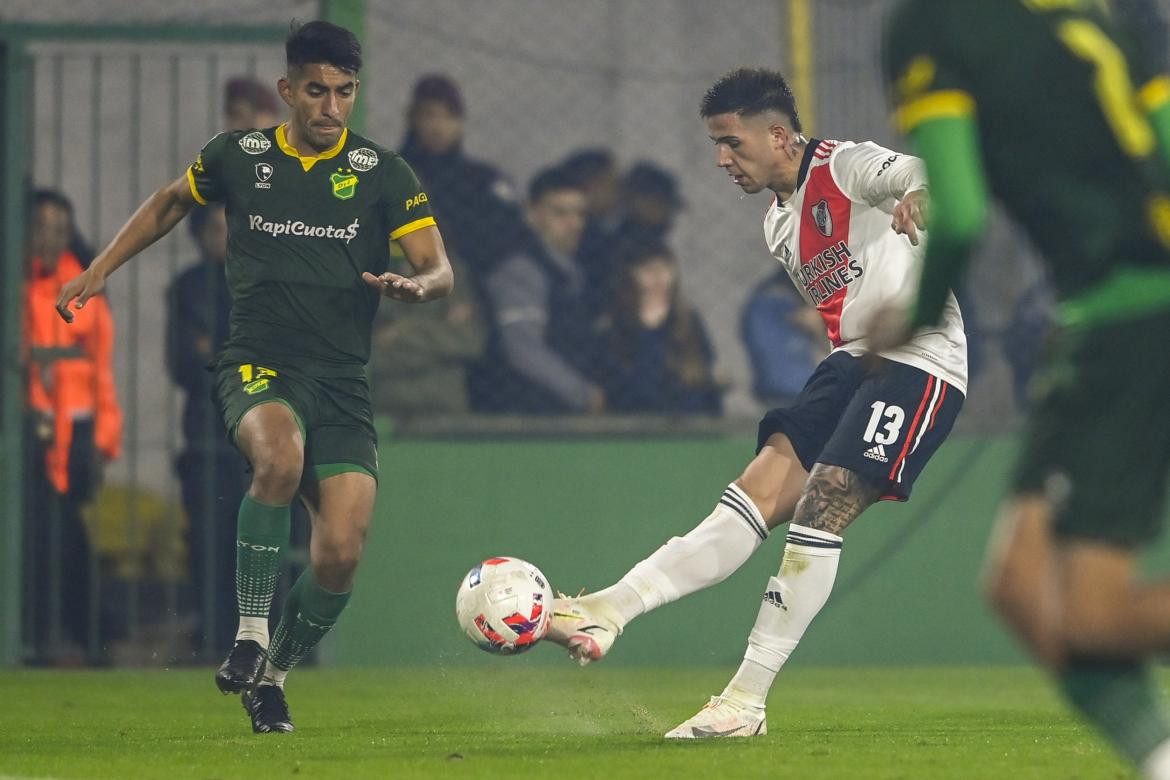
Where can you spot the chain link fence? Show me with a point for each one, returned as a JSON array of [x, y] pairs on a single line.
[[613, 86]]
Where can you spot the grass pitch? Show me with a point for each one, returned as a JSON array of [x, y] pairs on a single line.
[[515, 720]]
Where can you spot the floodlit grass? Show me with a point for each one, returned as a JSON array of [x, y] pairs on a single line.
[[520, 720]]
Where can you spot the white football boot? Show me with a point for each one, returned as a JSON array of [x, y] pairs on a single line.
[[582, 628], [722, 717]]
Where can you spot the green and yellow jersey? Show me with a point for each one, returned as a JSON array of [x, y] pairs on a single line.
[[301, 230], [1047, 104]]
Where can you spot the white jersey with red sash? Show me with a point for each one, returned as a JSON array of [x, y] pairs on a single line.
[[833, 236]]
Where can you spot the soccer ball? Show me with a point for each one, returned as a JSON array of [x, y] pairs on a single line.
[[504, 605]]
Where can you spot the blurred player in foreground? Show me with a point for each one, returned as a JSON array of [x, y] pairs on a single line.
[[1048, 105], [859, 432], [311, 208]]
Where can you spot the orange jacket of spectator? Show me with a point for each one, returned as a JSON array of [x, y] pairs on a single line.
[[70, 366]]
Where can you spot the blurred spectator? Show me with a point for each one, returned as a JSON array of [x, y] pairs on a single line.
[[658, 357], [541, 344], [210, 469], [977, 337], [475, 206], [74, 425], [1025, 335], [597, 173], [249, 103], [421, 354], [785, 339], [650, 203], [1148, 25], [77, 244]]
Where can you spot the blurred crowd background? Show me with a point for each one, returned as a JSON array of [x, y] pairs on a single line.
[[610, 279]]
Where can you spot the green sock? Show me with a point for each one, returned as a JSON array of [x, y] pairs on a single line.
[[309, 612], [1121, 700], [261, 537]]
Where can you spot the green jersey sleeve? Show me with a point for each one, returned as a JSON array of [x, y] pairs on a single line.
[[925, 81], [205, 175], [405, 204], [933, 107]]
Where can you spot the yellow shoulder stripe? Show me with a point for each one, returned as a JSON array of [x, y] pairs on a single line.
[[410, 227], [194, 190], [933, 105], [1155, 94]]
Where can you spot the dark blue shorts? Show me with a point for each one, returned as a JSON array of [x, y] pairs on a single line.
[[883, 423]]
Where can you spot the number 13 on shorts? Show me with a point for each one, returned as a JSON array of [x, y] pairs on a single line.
[[890, 418]]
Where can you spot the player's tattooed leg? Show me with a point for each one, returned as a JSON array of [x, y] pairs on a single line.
[[833, 498]]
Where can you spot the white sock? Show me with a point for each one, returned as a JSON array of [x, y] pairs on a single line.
[[274, 676], [707, 555], [254, 628], [1156, 766], [793, 599]]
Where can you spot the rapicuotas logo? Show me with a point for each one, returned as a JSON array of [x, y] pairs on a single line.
[[298, 228]]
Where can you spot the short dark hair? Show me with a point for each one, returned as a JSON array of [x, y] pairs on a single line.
[[647, 179], [48, 197], [77, 243], [440, 88], [647, 249], [250, 90], [552, 180], [321, 41], [748, 92], [584, 164]]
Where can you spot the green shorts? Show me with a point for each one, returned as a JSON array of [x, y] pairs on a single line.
[[1097, 444], [333, 413]]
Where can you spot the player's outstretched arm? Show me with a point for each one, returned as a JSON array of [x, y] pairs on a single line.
[[949, 146], [433, 276], [875, 174], [153, 220]]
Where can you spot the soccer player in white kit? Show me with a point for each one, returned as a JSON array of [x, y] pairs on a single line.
[[844, 224]]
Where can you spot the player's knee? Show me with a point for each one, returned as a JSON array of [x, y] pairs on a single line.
[[1016, 571], [1090, 626], [335, 562], [1009, 588], [276, 474], [766, 498], [1003, 591]]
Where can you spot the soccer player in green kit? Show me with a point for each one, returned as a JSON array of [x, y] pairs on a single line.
[[311, 209], [1051, 106]]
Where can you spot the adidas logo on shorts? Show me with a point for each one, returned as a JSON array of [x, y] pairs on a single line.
[[877, 452]]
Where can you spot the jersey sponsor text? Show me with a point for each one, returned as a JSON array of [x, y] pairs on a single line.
[[830, 271], [299, 228]]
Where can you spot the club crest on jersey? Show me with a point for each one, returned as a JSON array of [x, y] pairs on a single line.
[[823, 218], [362, 159], [263, 174], [344, 185], [255, 143], [256, 386]]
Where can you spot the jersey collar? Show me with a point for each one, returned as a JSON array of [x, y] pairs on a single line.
[[809, 150], [307, 162], [802, 174]]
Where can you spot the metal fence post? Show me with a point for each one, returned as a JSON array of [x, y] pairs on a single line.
[[15, 72], [801, 37]]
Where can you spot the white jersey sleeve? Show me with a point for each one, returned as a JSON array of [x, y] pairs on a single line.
[[873, 174], [833, 236]]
